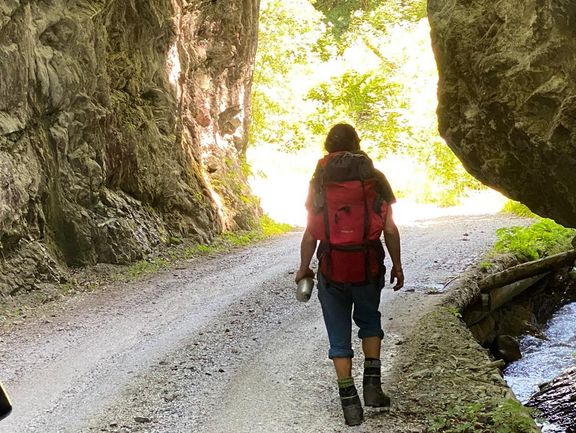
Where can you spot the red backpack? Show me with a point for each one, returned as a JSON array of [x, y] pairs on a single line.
[[347, 213]]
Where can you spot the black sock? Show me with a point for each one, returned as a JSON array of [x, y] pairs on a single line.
[[372, 370], [346, 387]]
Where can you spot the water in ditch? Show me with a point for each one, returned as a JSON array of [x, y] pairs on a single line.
[[544, 359]]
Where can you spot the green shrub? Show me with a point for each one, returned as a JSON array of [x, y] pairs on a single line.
[[517, 208], [541, 239], [269, 227]]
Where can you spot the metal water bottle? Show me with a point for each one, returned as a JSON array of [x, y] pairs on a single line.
[[304, 289]]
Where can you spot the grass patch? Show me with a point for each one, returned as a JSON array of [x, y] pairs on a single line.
[[541, 239], [454, 312], [241, 239], [485, 266], [144, 267], [223, 243], [507, 417], [197, 250]]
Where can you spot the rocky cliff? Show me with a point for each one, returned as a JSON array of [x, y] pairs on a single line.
[[122, 123], [507, 96]]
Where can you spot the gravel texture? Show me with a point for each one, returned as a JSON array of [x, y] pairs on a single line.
[[219, 345]]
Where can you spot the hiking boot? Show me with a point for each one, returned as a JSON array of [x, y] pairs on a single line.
[[372, 387], [374, 396], [352, 408], [351, 405]]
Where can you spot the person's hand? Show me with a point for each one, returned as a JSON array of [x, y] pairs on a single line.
[[303, 273], [397, 274]]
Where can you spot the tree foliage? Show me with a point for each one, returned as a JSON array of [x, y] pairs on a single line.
[[353, 16], [288, 49], [321, 62], [367, 100]]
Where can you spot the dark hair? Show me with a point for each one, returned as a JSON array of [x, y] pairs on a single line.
[[342, 137]]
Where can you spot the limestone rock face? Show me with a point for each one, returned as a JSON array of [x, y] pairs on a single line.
[[507, 96], [122, 123]]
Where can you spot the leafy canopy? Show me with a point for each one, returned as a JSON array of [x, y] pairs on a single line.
[[366, 62], [288, 40], [367, 100], [352, 16]]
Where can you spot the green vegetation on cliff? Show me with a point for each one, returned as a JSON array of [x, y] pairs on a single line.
[[543, 238]]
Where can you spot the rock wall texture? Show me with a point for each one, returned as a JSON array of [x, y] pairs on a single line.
[[507, 96], [122, 123]]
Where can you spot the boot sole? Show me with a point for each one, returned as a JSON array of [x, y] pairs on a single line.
[[376, 404], [352, 424]]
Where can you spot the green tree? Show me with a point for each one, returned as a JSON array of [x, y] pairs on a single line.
[[353, 17], [367, 100], [288, 52]]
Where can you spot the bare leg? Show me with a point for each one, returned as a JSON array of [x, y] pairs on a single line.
[[371, 347], [343, 367]]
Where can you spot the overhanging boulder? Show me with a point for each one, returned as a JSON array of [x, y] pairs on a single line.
[[507, 96]]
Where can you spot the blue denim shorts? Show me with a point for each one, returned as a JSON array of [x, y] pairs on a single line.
[[343, 302]]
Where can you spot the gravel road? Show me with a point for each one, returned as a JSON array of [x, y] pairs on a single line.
[[219, 345]]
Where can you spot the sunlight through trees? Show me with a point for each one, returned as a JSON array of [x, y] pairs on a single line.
[[365, 62]]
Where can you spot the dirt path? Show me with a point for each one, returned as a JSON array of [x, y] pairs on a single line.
[[218, 346]]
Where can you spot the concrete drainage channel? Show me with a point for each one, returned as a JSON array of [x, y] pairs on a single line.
[[456, 372]]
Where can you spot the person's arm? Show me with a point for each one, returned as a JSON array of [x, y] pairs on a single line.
[[307, 249], [392, 240]]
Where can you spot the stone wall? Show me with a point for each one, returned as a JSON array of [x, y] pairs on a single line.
[[507, 96], [122, 124]]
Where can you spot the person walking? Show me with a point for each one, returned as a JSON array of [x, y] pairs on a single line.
[[349, 207]]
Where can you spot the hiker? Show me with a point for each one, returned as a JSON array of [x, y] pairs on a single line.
[[349, 205]]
